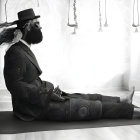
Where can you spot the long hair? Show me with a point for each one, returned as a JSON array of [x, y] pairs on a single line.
[[7, 35]]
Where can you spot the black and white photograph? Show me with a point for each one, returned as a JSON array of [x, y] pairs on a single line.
[[69, 69]]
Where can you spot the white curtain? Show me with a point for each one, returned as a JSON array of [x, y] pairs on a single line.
[[89, 60]]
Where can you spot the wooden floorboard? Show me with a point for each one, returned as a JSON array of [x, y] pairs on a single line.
[[110, 133]]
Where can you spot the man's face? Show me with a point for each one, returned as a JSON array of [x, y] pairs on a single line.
[[34, 34]]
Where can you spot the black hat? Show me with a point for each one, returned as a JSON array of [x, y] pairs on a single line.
[[25, 15]]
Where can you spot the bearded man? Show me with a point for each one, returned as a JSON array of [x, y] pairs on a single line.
[[34, 99]]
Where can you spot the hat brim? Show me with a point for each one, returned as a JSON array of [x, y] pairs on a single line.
[[26, 19]]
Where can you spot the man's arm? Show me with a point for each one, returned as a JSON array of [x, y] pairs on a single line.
[[15, 68]]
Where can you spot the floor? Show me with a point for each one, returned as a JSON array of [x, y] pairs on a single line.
[[112, 133]]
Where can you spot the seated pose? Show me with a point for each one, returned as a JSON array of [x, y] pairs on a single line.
[[34, 99]]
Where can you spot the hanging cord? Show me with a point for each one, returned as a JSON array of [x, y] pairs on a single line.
[[6, 24], [6, 9], [138, 12], [106, 24], [75, 16], [135, 25], [75, 25], [133, 14], [37, 3], [100, 17], [68, 13]]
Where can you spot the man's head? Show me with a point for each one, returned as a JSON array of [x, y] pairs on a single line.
[[29, 24], [32, 32]]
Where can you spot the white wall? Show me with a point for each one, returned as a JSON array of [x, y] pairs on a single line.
[[2, 52], [135, 52], [2, 83], [89, 60]]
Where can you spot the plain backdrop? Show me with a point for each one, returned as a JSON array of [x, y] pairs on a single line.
[[89, 60]]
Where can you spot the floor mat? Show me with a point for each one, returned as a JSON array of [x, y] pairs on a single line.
[[11, 125]]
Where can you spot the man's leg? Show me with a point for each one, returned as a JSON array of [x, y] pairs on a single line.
[[72, 109], [81, 109], [93, 97], [104, 98], [129, 97], [56, 111], [117, 110], [114, 99]]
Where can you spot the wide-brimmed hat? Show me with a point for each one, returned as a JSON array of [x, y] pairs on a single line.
[[25, 15]]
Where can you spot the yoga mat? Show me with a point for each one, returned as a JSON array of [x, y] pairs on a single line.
[[9, 124]]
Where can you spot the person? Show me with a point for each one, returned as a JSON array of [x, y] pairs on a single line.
[[35, 99]]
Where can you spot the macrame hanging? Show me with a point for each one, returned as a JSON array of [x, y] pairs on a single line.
[[6, 9], [135, 3], [106, 24], [75, 24], [100, 17], [37, 3], [6, 24]]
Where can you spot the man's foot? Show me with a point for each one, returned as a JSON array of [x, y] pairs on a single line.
[[136, 113], [131, 94], [128, 98]]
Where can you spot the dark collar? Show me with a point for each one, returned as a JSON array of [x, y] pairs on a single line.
[[30, 55]]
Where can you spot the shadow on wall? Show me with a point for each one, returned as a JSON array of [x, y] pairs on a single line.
[[116, 80], [135, 76]]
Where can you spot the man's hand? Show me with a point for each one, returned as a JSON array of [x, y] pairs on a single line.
[[56, 95]]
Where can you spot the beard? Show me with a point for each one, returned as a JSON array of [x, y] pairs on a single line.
[[34, 36]]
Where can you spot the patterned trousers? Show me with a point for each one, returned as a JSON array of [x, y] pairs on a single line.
[[78, 106]]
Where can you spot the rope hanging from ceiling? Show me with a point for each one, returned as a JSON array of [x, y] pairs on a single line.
[[75, 24], [6, 24], [6, 9], [100, 17], [38, 3], [106, 24], [135, 3]]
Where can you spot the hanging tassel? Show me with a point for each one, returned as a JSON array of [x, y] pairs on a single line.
[[75, 24], [74, 32], [6, 24], [136, 29], [37, 3], [100, 18], [135, 25], [106, 24], [6, 9], [138, 11]]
